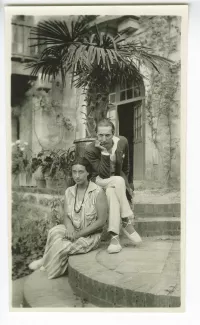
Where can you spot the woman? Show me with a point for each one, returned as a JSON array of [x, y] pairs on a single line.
[[85, 213]]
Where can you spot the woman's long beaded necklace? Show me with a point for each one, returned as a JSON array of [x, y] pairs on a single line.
[[77, 211]]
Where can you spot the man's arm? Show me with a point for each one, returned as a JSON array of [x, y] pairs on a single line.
[[102, 165]]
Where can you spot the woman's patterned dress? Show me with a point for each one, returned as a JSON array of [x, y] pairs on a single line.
[[58, 248]]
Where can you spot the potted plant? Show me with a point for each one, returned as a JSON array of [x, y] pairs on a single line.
[[20, 163], [51, 170], [66, 159], [53, 167], [36, 167]]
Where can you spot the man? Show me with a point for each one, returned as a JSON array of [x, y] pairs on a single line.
[[109, 160]]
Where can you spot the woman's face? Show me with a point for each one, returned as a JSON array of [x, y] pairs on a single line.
[[79, 174]]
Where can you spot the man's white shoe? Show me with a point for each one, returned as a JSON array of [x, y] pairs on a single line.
[[114, 248], [134, 237]]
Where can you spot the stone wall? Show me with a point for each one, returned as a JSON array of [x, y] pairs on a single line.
[[25, 121], [41, 118], [162, 100], [151, 219], [43, 128], [43, 203]]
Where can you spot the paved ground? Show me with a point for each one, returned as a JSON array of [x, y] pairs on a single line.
[[151, 269], [41, 292]]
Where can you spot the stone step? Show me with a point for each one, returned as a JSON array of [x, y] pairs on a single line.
[[152, 226], [149, 210], [41, 292], [17, 292], [144, 276], [155, 226]]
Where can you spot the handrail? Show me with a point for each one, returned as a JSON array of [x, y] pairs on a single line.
[[18, 24]]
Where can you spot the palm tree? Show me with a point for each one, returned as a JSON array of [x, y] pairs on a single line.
[[94, 59]]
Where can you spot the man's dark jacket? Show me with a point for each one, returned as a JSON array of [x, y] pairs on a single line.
[[100, 164]]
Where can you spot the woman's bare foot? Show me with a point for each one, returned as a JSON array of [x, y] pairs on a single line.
[[35, 264]]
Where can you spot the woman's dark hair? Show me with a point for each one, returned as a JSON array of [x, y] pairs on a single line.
[[84, 162]]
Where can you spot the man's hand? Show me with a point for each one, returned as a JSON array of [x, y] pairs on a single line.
[[98, 145]]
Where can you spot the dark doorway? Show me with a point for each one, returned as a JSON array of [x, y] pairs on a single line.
[[19, 86], [126, 129]]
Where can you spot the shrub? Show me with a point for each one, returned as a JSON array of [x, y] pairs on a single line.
[[20, 161], [29, 232]]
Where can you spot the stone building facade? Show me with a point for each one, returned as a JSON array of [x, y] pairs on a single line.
[[152, 109], [48, 115]]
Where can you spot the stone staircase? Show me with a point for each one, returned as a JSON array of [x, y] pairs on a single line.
[[157, 219]]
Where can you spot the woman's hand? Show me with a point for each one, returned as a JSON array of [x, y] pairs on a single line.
[[70, 234], [76, 236]]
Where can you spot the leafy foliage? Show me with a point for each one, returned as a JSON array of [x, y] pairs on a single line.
[[77, 45], [54, 161], [29, 232], [20, 160]]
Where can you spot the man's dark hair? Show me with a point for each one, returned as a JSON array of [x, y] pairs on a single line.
[[105, 122]]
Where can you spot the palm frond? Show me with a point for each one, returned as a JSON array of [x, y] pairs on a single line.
[[90, 55]]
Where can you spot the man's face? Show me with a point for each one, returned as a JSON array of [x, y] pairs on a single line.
[[104, 135]]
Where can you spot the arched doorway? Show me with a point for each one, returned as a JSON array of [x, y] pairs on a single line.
[[128, 116]]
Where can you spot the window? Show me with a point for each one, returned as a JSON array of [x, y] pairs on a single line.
[[22, 18], [33, 49], [21, 40], [128, 90], [112, 98], [18, 39], [138, 123]]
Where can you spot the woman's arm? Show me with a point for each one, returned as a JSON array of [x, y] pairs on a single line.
[[70, 232], [102, 213]]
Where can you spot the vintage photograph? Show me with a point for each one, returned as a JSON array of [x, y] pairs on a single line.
[[95, 118]]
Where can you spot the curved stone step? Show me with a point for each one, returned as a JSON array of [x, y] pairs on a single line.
[[145, 276], [41, 292]]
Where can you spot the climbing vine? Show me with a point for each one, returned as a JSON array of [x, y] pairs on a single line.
[[52, 110], [163, 89]]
